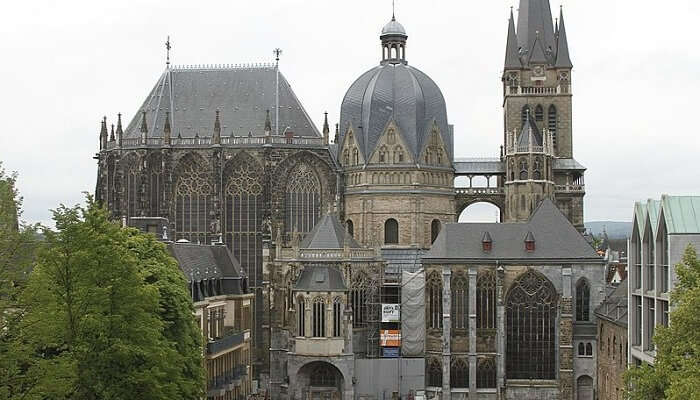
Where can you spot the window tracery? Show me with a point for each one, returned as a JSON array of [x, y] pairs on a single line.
[[301, 317], [322, 376], [303, 199], [434, 301], [460, 304], [434, 373], [531, 311], [486, 373], [486, 300], [523, 170], [459, 374], [318, 320], [155, 184], [193, 203], [359, 293], [337, 317]]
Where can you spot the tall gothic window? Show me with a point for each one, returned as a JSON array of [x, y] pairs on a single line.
[[552, 123], [111, 187], [243, 202], [486, 300], [155, 183], [337, 317], [434, 301], [318, 320], [531, 314], [303, 199], [486, 373], [523, 170], [434, 373], [459, 374], [582, 300], [193, 202], [359, 293], [391, 231], [460, 301], [539, 113], [132, 185], [301, 317], [434, 230], [537, 174]]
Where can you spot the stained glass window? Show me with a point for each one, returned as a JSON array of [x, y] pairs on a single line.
[[303, 199], [318, 320], [155, 184], [460, 300], [486, 300], [193, 203], [434, 373], [434, 300]]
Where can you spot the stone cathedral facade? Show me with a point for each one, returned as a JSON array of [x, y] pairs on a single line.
[[331, 227]]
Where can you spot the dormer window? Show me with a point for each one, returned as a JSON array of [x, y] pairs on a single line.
[[486, 242], [530, 242]]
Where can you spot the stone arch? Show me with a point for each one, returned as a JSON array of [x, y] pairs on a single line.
[[584, 388], [322, 377], [464, 201]]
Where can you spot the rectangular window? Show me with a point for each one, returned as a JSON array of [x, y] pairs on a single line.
[[650, 324], [664, 313], [650, 264], [638, 321]]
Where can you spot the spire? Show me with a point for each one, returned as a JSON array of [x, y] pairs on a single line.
[[563, 58], [512, 56], [268, 123], [166, 128], [326, 128], [537, 55], [337, 133], [167, 52], [217, 129], [103, 133], [144, 125], [535, 16], [529, 135], [120, 132], [111, 134]]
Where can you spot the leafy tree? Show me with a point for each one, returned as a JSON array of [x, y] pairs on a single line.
[[675, 374], [107, 316]]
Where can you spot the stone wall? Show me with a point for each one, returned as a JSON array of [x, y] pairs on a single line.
[[611, 360]]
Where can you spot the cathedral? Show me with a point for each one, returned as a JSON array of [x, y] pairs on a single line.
[[364, 285]]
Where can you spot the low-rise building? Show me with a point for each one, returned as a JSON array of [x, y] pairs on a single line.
[[612, 358]]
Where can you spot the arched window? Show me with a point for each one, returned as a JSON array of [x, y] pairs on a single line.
[[584, 388], [523, 170], [301, 317], [581, 349], [350, 227], [434, 301], [132, 184], [359, 294], [486, 374], [537, 174], [434, 373], [382, 154], [434, 230], [355, 156], [539, 113], [552, 123], [337, 317], [155, 183], [243, 213], [460, 300], [318, 321], [322, 376], [589, 349], [459, 374], [582, 301], [486, 300], [614, 346], [193, 202], [391, 231], [303, 199], [531, 324]]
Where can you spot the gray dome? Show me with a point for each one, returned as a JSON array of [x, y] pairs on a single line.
[[399, 92], [393, 28]]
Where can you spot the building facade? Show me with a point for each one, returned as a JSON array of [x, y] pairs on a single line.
[[227, 154], [613, 344], [661, 231]]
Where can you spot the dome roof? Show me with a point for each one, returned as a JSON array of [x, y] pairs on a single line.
[[393, 28], [400, 93]]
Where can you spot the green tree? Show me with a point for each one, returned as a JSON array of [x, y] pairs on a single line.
[[102, 307], [675, 374]]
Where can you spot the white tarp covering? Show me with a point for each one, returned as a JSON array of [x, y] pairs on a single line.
[[412, 314]]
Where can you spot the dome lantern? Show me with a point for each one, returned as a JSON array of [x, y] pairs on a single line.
[[393, 39]]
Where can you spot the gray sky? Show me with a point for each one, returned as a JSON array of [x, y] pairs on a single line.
[[66, 64]]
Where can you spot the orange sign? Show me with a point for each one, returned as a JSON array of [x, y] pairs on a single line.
[[390, 338]]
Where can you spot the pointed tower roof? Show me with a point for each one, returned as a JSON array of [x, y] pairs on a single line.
[[103, 128], [563, 58], [535, 16], [326, 128], [512, 54], [328, 233], [529, 133], [120, 132], [537, 55]]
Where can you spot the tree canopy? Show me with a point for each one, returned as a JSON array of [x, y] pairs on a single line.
[[675, 374], [105, 315]]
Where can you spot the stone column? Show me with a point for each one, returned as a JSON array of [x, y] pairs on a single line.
[[566, 348], [308, 307], [472, 331], [446, 331]]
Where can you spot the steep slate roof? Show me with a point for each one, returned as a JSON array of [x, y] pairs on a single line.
[[614, 307], [512, 54], [529, 133], [206, 262], [320, 279], [555, 240], [328, 233], [535, 20], [192, 95], [681, 214], [563, 58]]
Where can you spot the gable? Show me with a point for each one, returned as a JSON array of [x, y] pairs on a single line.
[[434, 151], [391, 147], [350, 153]]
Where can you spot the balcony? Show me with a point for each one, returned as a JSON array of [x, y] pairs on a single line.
[[480, 190], [228, 341], [227, 381], [571, 188]]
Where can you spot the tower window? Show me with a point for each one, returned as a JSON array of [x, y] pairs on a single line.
[[539, 113], [434, 230], [319, 318], [391, 231], [350, 227], [582, 301], [552, 123]]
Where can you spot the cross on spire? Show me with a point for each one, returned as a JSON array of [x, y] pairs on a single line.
[[277, 52], [167, 51]]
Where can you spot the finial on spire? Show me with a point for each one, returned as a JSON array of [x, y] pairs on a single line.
[[326, 128], [393, 10], [217, 129], [168, 46], [166, 129], [268, 122], [277, 52], [144, 125], [111, 134]]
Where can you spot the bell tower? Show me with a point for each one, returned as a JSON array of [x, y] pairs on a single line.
[[537, 98]]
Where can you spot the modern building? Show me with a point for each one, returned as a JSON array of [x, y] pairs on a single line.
[[662, 230], [613, 344], [228, 154]]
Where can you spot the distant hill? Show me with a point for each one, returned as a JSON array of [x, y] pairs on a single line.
[[615, 229]]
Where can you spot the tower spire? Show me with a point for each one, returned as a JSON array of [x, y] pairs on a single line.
[[512, 56], [103, 133], [563, 58], [326, 128], [535, 22]]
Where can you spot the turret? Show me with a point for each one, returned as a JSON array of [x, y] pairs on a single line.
[[166, 129], [326, 128], [120, 131], [216, 139], [103, 134], [144, 127]]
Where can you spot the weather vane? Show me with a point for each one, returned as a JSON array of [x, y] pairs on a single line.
[[167, 51], [277, 52]]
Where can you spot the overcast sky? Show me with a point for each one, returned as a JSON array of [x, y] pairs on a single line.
[[636, 78]]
